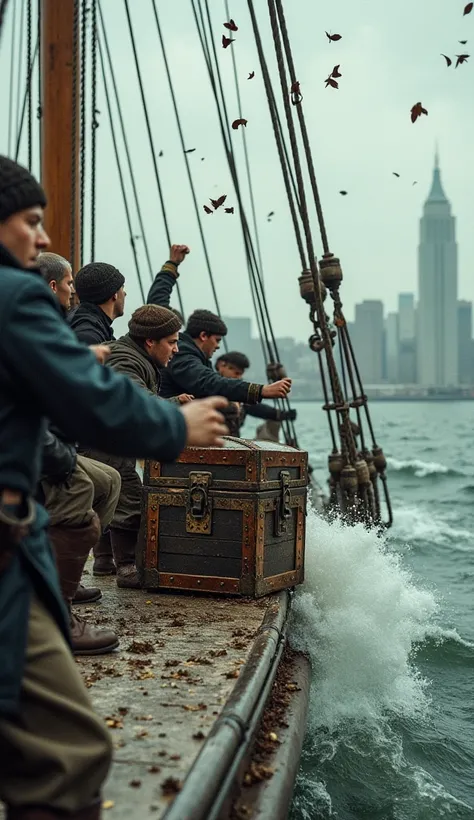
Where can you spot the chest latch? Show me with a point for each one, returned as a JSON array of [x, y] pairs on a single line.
[[283, 504], [199, 504]]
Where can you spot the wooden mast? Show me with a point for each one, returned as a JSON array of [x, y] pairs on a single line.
[[59, 173]]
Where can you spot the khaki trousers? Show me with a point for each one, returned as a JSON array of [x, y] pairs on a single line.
[[57, 752], [128, 510], [93, 487]]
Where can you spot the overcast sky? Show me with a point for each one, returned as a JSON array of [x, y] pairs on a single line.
[[390, 59]]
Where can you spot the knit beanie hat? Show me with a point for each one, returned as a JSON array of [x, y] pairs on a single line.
[[18, 189], [153, 322], [98, 282], [207, 322]]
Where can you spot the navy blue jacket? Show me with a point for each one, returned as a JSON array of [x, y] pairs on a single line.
[[190, 370], [46, 373], [90, 324]]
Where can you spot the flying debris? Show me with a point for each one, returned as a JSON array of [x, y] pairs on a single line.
[[226, 41], [269, 216], [251, 75], [415, 182], [202, 159], [160, 154], [189, 150], [417, 111], [236, 123], [333, 38], [463, 42], [332, 82], [231, 26], [296, 95], [335, 72], [461, 58], [343, 193], [448, 60], [468, 9], [229, 210], [395, 174], [207, 209], [216, 203]]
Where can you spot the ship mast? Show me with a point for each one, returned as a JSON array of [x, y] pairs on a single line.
[[60, 126]]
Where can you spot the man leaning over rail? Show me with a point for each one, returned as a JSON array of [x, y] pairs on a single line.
[[55, 751], [191, 370]]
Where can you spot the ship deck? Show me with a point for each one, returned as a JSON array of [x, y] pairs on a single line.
[[163, 690]]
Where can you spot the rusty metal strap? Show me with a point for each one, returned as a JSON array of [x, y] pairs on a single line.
[[211, 778]]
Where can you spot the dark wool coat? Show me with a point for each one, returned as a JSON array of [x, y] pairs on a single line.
[[90, 324], [46, 373], [190, 370]]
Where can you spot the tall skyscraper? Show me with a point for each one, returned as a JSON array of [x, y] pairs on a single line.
[[368, 337], [465, 358], [437, 289], [406, 338], [391, 348]]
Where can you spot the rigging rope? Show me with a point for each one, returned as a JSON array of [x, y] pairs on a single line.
[[29, 68], [118, 104], [3, 9], [150, 139], [119, 167], [39, 110], [94, 124], [12, 67], [24, 105], [18, 121], [73, 205], [188, 166], [83, 123]]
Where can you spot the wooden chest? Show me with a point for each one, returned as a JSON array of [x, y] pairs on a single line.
[[228, 520]]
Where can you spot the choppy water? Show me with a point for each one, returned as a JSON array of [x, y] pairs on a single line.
[[389, 626]]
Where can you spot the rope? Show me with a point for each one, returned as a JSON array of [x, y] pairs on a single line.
[[28, 82], [304, 132], [18, 77], [3, 9], [150, 138], [94, 124], [23, 106], [39, 110], [119, 167], [75, 46], [12, 68], [188, 166], [105, 40], [83, 123]]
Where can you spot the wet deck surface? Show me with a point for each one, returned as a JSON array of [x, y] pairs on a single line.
[[161, 691]]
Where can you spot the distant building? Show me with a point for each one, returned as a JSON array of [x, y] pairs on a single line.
[[391, 348], [368, 339], [407, 339], [437, 287], [465, 360]]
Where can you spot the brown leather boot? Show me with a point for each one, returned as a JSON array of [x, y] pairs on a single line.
[[103, 557], [72, 546], [44, 813], [87, 595], [123, 546], [87, 640]]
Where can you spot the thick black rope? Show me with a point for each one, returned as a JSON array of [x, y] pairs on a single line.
[[187, 162], [39, 110], [150, 139], [119, 167], [24, 105], [19, 112], [94, 126]]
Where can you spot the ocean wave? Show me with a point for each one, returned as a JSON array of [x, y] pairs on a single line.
[[418, 525], [420, 469], [359, 615], [446, 646]]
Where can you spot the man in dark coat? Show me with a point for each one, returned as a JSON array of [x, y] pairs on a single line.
[[233, 365], [191, 370], [55, 751], [100, 288], [142, 354]]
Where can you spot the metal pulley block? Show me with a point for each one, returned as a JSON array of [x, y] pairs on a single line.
[[330, 271]]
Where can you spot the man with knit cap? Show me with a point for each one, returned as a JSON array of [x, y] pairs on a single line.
[[100, 289], [191, 368], [142, 354], [55, 751]]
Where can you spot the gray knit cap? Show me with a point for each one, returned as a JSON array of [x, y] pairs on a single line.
[[18, 189], [98, 282]]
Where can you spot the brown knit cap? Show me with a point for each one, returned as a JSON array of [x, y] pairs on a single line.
[[153, 322]]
